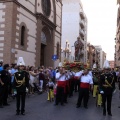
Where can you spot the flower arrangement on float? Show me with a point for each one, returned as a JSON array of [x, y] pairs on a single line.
[[75, 66]]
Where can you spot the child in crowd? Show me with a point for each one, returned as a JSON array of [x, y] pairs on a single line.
[[50, 86]]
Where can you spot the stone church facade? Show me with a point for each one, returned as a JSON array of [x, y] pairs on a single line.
[[30, 29]]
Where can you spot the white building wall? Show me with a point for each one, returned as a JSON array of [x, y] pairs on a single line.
[[70, 25]]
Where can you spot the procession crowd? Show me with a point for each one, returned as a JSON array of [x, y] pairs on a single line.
[[59, 83]]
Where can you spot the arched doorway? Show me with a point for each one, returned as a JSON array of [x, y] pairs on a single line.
[[47, 48], [43, 45]]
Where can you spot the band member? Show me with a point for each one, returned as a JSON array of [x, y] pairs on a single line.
[[61, 84], [21, 84], [77, 80], [4, 85], [95, 82], [1, 93], [67, 87], [71, 83], [85, 83], [107, 85]]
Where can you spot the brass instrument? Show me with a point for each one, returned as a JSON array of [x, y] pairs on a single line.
[[107, 83], [20, 82]]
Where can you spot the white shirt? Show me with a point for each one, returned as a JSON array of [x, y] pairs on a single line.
[[90, 73], [50, 84], [62, 78], [78, 74], [117, 73], [87, 79]]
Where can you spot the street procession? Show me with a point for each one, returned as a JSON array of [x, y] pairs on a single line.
[[59, 59], [59, 84]]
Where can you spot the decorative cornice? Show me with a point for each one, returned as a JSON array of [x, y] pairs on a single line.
[[1, 1], [45, 20]]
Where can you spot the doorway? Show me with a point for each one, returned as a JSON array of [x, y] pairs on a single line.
[[42, 57]]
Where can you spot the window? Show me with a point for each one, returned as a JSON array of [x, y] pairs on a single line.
[[43, 38], [22, 35], [46, 7], [58, 47]]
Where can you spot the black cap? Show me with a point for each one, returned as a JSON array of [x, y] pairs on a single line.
[[5, 66]]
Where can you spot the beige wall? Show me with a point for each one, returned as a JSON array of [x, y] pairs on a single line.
[[26, 16], [2, 26], [29, 4], [29, 21], [29, 58]]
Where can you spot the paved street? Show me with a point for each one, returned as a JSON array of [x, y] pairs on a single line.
[[38, 108]]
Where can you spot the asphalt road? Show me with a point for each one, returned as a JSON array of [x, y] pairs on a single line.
[[38, 108]]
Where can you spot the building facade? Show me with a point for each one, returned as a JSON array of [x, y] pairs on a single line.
[[30, 29], [117, 41], [101, 56], [74, 31], [95, 55]]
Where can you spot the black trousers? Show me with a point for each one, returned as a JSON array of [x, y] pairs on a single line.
[[1, 95], [66, 94], [83, 95], [77, 85], [119, 85], [20, 100], [59, 95], [71, 88], [107, 98], [5, 95]]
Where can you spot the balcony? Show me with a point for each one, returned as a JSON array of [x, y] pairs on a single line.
[[82, 15], [82, 33], [82, 24]]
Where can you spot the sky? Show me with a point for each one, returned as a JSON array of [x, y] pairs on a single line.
[[102, 20]]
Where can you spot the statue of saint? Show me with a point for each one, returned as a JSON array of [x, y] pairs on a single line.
[[77, 45]]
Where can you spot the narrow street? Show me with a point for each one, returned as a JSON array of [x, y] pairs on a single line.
[[38, 108]]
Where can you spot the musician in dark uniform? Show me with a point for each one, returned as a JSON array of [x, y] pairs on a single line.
[[21, 83], [4, 85], [107, 85], [95, 82]]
